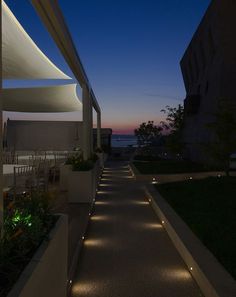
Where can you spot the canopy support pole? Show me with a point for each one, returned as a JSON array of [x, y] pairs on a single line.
[[99, 145], [1, 138], [87, 123]]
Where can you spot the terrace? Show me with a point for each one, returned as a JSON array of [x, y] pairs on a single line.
[[74, 222]]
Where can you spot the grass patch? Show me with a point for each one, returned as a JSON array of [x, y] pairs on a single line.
[[208, 206], [171, 167]]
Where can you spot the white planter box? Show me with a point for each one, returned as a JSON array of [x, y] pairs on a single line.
[[46, 274], [98, 171], [101, 159], [210, 275], [64, 176], [233, 164], [81, 186]]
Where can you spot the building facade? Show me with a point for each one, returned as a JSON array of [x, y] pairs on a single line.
[[209, 73], [49, 136]]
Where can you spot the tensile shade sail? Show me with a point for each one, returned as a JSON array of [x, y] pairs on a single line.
[[21, 57], [62, 98]]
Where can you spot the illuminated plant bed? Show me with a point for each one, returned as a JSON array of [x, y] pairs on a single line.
[[208, 207], [33, 250]]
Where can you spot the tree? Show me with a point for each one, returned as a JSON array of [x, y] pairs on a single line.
[[174, 124], [224, 131], [147, 133]]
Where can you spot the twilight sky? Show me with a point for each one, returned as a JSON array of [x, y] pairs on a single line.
[[130, 50]]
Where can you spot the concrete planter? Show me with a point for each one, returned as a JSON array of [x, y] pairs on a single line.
[[105, 156], [169, 178], [81, 186], [46, 274], [101, 159], [210, 275], [64, 176], [98, 171]]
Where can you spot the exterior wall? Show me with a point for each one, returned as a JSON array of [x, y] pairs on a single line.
[[43, 135], [47, 135], [209, 72]]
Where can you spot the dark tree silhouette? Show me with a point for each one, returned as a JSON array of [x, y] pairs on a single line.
[[224, 129], [147, 133], [174, 124]]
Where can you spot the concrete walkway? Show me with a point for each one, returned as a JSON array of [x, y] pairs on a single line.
[[127, 253]]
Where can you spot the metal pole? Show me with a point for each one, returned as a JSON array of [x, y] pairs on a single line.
[[86, 123], [1, 138], [91, 123], [99, 144]]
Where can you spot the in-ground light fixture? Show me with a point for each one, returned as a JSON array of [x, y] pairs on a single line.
[[154, 181]]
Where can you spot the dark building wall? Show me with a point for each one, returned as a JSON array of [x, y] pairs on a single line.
[[209, 72]]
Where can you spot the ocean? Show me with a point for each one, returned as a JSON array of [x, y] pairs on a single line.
[[119, 140]]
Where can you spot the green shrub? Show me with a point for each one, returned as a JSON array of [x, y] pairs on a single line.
[[26, 223], [83, 165], [98, 150]]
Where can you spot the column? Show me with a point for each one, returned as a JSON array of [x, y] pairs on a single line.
[[91, 123], [87, 126], [1, 148], [99, 144]]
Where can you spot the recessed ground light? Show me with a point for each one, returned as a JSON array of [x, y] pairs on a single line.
[[154, 181], [83, 237], [191, 268], [163, 222]]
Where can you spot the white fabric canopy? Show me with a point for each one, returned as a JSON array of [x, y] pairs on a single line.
[[61, 98], [21, 58]]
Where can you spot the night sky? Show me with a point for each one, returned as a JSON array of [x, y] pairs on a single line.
[[130, 50]]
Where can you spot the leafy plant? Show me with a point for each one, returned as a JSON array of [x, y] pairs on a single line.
[[94, 158], [147, 133], [174, 124], [98, 150], [26, 223], [82, 165], [223, 128]]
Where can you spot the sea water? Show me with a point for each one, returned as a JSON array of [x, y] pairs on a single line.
[[119, 140]]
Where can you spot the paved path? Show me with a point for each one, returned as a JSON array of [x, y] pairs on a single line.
[[127, 253]]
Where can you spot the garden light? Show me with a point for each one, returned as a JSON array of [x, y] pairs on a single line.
[[154, 181]]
